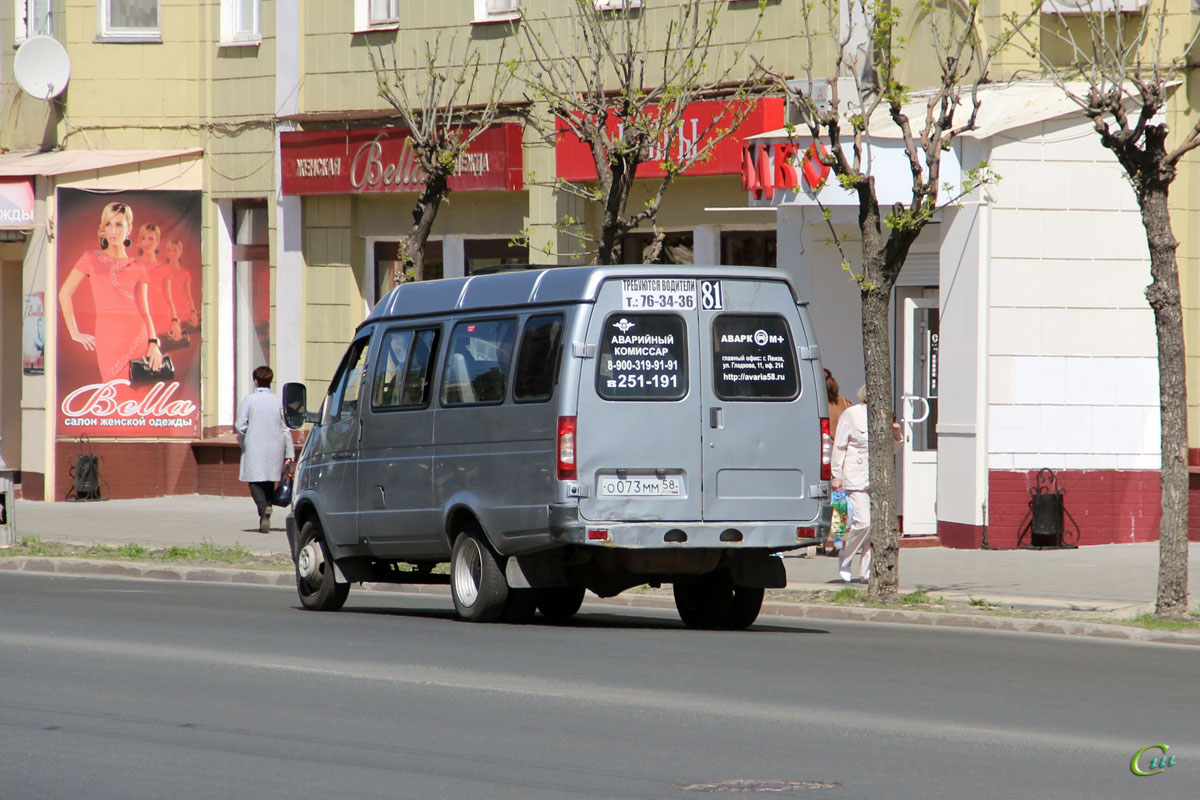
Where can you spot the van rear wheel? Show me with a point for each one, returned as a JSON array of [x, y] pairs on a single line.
[[476, 581], [314, 572], [520, 606], [743, 610], [559, 603], [704, 601]]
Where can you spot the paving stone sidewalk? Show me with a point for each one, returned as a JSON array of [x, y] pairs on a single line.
[[1112, 581]]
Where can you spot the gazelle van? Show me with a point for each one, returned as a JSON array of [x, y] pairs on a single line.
[[554, 431]]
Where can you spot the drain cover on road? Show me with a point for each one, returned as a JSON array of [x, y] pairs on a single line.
[[758, 786]]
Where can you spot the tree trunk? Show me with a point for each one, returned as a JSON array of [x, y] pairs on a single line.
[[1163, 295], [426, 211], [885, 541]]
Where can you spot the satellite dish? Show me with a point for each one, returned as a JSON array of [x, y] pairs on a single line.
[[41, 67]]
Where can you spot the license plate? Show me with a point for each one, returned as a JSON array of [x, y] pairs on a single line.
[[641, 486]]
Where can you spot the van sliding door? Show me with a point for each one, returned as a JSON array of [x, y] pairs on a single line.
[[761, 431]]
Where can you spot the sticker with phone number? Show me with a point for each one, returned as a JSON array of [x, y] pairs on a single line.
[[658, 294]]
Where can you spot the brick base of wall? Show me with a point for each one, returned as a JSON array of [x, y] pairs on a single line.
[[1107, 506], [153, 469]]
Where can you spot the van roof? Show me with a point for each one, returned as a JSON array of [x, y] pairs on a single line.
[[545, 286]]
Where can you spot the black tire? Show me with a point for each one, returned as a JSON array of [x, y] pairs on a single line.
[[477, 583], [559, 603], [747, 602], [314, 572], [704, 602], [520, 607]]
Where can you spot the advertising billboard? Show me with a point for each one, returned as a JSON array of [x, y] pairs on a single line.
[[129, 332]]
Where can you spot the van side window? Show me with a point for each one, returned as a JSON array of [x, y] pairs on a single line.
[[343, 389], [538, 359], [478, 361], [753, 358], [643, 357], [419, 377], [389, 369], [402, 369]]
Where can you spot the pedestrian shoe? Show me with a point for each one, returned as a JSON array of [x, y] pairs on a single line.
[[264, 521], [844, 575]]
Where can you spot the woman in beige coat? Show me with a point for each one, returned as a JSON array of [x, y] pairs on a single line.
[[851, 474], [266, 443]]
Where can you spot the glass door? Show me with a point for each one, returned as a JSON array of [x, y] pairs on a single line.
[[918, 416]]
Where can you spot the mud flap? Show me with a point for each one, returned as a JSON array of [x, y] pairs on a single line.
[[758, 572]]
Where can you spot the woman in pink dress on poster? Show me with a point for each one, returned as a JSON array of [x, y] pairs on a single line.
[[181, 285], [161, 296], [120, 289]]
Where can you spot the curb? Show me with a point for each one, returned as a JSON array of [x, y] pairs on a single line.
[[653, 599]]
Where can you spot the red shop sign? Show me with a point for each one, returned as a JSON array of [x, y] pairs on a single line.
[[363, 160], [575, 157]]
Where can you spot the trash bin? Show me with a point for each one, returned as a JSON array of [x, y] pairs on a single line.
[[8, 509], [1047, 527]]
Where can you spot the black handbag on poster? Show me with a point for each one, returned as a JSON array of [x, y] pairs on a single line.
[[166, 343], [141, 375]]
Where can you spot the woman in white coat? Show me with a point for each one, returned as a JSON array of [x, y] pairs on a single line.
[[266, 443], [851, 474]]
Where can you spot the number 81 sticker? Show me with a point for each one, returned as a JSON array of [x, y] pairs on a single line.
[[710, 296]]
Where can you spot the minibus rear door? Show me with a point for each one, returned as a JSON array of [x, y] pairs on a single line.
[[637, 448], [761, 432]]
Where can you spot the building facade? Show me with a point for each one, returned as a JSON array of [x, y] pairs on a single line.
[[1022, 339]]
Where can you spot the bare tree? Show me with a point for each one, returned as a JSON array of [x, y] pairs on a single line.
[[602, 76], [1119, 68], [446, 104], [870, 53]]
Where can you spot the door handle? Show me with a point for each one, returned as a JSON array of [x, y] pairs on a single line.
[[716, 417], [909, 402]]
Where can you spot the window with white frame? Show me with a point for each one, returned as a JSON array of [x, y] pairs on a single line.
[[376, 14], [613, 5], [241, 21], [33, 18], [1078, 7], [381, 12], [129, 20], [497, 10]]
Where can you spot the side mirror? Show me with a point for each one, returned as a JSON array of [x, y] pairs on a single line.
[[295, 400]]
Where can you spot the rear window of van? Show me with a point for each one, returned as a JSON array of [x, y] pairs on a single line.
[[643, 357], [753, 358]]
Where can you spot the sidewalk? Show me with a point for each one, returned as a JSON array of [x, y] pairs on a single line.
[[1115, 579]]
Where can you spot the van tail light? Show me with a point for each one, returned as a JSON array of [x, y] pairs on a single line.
[[826, 450], [566, 448]]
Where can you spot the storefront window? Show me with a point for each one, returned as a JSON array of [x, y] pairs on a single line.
[[678, 248], [748, 248], [493, 255], [387, 261], [252, 271]]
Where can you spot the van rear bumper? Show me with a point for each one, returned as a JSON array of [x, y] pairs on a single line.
[[567, 527]]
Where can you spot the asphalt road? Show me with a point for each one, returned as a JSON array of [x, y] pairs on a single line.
[[132, 689]]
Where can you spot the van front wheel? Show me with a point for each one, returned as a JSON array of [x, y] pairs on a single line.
[[314, 573], [476, 581]]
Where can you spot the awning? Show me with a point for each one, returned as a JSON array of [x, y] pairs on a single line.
[[772, 160], [63, 162], [1003, 107]]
